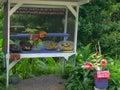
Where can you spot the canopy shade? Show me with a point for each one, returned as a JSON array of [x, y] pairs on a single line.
[[49, 2]]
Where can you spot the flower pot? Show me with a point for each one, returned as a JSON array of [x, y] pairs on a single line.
[[98, 89], [14, 79], [100, 83]]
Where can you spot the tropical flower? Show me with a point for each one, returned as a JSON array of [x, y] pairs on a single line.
[[87, 66], [98, 63], [42, 34], [103, 62], [36, 37]]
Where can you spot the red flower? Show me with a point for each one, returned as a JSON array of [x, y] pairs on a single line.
[[42, 34], [87, 66], [36, 37], [103, 62], [14, 56]]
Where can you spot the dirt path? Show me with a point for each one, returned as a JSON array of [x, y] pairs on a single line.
[[49, 82]]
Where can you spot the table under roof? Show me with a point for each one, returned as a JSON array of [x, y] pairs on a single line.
[[11, 6]]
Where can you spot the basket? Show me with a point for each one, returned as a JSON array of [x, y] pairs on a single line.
[[50, 45], [15, 48], [66, 45], [26, 46]]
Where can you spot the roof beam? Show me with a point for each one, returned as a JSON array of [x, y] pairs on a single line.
[[45, 2], [15, 8], [83, 2], [72, 10]]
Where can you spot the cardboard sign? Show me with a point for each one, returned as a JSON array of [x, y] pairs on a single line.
[[103, 74]]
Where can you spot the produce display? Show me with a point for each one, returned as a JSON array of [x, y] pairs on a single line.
[[50, 45], [15, 48], [34, 40], [66, 45], [14, 56], [26, 46]]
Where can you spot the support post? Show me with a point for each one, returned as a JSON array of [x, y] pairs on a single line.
[[76, 29], [6, 36], [7, 72], [63, 65], [65, 23]]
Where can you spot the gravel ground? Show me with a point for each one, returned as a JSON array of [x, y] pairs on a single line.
[[48, 82]]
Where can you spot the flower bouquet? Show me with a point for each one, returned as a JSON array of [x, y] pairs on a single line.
[[35, 38], [101, 73]]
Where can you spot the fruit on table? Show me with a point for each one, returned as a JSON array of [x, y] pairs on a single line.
[[25, 45], [14, 56], [66, 46], [51, 45], [14, 48]]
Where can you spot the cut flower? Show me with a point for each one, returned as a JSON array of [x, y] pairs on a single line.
[[87, 66], [103, 62], [95, 64]]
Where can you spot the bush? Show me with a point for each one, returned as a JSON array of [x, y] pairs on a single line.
[[81, 79]]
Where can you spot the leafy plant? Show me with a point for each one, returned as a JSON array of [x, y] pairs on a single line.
[[114, 80], [27, 68], [80, 79], [100, 20], [2, 67]]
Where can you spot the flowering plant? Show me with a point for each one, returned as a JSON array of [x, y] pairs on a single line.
[[96, 65], [97, 61], [35, 38]]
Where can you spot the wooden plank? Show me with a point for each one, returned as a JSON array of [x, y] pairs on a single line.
[[45, 2], [72, 10], [15, 8]]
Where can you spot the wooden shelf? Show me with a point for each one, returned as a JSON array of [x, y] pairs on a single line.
[[12, 36]]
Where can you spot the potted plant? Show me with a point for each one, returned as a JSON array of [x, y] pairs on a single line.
[[101, 73], [14, 78]]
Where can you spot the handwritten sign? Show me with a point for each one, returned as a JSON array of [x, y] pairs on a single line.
[[103, 74]]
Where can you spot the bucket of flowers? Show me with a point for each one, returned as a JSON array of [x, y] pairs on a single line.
[[101, 74]]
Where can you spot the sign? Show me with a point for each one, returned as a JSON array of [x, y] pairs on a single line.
[[103, 74]]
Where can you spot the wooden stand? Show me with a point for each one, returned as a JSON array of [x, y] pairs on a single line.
[[10, 7]]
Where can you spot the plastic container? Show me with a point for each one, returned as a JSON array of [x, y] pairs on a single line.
[[66, 45], [50, 45], [100, 83]]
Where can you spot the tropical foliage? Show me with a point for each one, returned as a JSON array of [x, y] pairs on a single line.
[[2, 67], [99, 21], [27, 68], [83, 79]]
